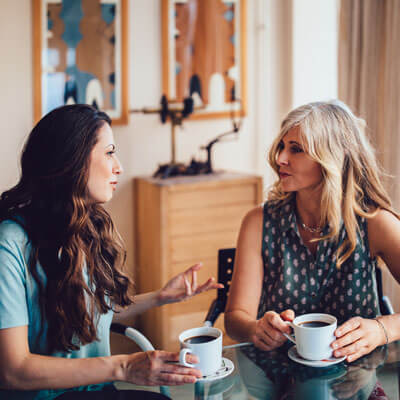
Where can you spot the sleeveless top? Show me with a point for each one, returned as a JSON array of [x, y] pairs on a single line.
[[296, 279]]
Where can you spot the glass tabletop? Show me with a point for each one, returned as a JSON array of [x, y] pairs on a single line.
[[273, 375]]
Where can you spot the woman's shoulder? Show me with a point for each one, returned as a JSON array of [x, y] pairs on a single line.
[[12, 231]]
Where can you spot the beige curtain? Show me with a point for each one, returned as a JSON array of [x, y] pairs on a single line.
[[369, 82]]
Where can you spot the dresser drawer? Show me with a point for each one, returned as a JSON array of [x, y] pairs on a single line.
[[219, 218], [210, 197]]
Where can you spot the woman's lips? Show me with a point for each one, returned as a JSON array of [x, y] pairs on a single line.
[[283, 175]]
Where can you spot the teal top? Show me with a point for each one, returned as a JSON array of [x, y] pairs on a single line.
[[19, 306], [294, 278]]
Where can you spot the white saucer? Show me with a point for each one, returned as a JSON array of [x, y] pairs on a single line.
[[226, 369], [294, 355]]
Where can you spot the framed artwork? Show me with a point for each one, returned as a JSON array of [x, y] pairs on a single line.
[[80, 55], [204, 55]]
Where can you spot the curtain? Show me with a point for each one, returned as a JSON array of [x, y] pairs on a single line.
[[369, 82]]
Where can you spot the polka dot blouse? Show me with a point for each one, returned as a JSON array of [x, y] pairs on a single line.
[[295, 278]]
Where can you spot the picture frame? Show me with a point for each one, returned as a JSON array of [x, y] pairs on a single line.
[[204, 56], [80, 55]]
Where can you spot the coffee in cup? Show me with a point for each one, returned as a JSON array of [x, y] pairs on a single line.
[[313, 335], [206, 344]]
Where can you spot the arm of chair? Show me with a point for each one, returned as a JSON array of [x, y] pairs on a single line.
[[134, 335]]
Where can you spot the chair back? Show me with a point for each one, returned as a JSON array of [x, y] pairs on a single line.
[[226, 260]]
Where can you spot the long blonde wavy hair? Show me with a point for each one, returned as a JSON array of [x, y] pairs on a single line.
[[335, 138]]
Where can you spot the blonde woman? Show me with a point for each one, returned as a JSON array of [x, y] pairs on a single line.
[[313, 246]]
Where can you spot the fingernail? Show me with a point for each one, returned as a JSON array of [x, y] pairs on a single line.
[[338, 353], [334, 345]]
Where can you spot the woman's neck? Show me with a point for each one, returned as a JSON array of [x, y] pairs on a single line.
[[308, 208]]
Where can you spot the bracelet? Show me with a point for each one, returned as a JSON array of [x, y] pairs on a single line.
[[383, 327]]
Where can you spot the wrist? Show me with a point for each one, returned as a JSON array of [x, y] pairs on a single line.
[[252, 330], [385, 337], [159, 299], [119, 364]]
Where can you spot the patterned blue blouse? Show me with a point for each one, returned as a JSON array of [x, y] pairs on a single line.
[[294, 278]]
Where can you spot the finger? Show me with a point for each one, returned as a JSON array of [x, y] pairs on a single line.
[[348, 326], [287, 315], [276, 337], [180, 370], [357, 348], [187, 286], [206, 285], [169, 379], [194, 280], [347, 339], [194, 267], [168, 356], [277, 322]]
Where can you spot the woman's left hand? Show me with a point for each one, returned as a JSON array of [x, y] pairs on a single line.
[[180, 288], [357, 337]]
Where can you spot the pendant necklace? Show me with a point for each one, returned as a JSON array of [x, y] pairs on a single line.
[[318, 229]]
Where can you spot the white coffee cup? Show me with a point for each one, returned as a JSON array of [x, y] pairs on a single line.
[[313, 342], [208, 352]]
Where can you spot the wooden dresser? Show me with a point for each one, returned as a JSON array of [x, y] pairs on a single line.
[[179, 222]]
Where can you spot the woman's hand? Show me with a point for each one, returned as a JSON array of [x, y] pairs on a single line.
[[180, 288], [156, 368], [357, 337], [269, 330]]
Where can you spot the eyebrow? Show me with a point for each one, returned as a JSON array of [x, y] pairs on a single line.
[[292, 142], [111, 144]]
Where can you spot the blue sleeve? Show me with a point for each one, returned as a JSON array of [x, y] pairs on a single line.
[[13, 291]]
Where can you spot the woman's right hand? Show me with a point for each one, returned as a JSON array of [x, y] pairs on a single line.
[[269, 330], [159, 368]]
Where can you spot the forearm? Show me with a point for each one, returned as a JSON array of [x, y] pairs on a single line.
[[142, 303], [42, 372], [239, 325]]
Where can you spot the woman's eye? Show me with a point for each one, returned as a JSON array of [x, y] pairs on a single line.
[[296, 149], [110, 153]]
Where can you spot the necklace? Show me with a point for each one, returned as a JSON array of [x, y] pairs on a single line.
[[318, 229]]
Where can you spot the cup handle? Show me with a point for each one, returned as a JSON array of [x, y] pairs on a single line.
[[290, 337], [182, 358]]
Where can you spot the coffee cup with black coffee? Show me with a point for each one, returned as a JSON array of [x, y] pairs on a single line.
[[206, 343], [313, 335]]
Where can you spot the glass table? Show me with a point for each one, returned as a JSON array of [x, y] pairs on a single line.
[[262, 375], [272, 375]]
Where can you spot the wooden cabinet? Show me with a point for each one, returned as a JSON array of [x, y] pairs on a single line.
[[181, 221]]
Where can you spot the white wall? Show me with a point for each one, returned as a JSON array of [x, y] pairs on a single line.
[[314, 46]]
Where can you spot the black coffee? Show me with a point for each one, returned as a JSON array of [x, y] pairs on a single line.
[[313, 324], [199, 339]]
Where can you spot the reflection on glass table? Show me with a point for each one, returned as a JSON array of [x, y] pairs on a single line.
[[272, 375]]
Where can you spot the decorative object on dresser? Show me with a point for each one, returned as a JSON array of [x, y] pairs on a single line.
[[180, 221]]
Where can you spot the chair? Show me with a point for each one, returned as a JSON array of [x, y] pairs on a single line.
[[226, 260]]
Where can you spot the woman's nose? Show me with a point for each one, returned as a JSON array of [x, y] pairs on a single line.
[[283, 158], [117, 169]]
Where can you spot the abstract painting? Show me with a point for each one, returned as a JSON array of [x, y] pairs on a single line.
[[204, 53], [80, 55]]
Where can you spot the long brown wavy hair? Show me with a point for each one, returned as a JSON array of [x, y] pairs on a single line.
[[352, 178], [68, 233]]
